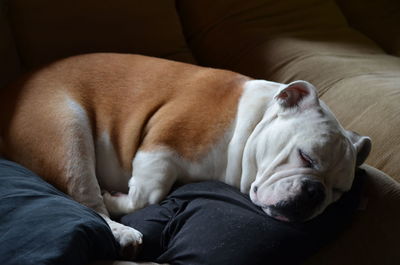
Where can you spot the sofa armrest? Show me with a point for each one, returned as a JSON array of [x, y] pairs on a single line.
[[373, 236]]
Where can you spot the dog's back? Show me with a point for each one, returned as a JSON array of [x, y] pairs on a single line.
[[79, 98]]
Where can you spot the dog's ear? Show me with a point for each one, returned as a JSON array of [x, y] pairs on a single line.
[[298, 94], [362, 145]]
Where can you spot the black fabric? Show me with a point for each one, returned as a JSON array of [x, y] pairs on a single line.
[[41, 225], [213, 223], [199, 223]]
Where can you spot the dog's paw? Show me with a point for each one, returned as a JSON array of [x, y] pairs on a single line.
[[128, 238], [117, 204]]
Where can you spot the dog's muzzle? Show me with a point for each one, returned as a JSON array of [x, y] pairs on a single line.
[[302, 206]]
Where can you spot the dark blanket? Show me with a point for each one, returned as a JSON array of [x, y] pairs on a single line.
[[213, 223], [200, 223], [41, 225]]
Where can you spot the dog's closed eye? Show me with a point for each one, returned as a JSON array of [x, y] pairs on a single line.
[[307, 160]]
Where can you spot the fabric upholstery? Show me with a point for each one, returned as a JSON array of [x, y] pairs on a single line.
[[378, 19], [9, 63], [310, 40], [372, 238], [46, 30]]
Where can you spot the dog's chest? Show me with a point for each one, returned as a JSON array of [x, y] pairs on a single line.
[[110, 174], [113, 177]]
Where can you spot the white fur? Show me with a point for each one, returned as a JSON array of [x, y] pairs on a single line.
[[275, 160], [80, 156], [111, 175], [124, 235], [254, 99]]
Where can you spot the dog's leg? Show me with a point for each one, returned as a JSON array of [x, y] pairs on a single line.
[[62, 151], [154, 173], [82, 184], [87, 192]]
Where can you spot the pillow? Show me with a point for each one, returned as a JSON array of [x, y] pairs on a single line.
[[41, 225], [213, 223]]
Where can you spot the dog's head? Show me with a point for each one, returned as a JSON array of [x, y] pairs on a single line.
[[302, 157]]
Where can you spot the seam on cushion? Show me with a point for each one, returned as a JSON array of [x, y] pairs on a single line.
[[350, 76]]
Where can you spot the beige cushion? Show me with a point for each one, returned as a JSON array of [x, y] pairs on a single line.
[[306, 39], [378, 19], [46, 29]]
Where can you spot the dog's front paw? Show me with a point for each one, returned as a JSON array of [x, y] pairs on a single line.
[[117, 204], [128, 238]]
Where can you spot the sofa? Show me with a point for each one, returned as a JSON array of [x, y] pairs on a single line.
[[349, 49]]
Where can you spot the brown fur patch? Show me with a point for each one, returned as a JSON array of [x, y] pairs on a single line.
[[141, 102]]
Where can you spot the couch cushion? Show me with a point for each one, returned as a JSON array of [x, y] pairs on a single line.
[[9, 63], [46, 30], [41, 225], [378, 19], [310, 40], [232, 28]]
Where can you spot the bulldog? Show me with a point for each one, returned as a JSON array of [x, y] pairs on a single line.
[[131, 126]]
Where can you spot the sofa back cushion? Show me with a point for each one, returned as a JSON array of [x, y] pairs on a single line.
[[46, 29], [9, 63], [222, 32], [310, 40], [378, 19]]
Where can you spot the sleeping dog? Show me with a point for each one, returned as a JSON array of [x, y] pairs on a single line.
[[135, 125]]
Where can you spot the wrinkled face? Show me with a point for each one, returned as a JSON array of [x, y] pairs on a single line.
[[303, 159]]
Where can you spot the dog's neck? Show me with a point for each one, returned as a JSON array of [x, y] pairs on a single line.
[[240, 170]]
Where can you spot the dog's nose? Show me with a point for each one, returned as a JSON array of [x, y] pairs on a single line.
[[303, 205], [312, 192]]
